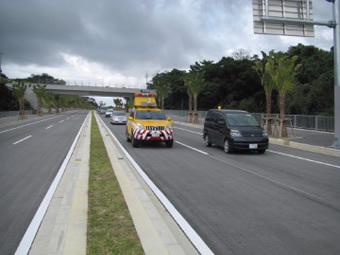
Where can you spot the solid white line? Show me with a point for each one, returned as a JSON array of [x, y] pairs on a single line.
[[49, 127], [192, 148], [23, 139], [32, 230], [197, 133], [188, 230], [305, 159]]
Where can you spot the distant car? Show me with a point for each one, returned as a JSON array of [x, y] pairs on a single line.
[[108, 113], [234, 130], [118, 118], [102, 110]]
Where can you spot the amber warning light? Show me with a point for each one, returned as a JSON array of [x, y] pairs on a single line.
[[144, 95]]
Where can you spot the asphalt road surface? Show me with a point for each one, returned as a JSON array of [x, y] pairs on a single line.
[[31, 154], [285, 201]]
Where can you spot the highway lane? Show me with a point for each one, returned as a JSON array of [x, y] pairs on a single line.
[[31, 154], [244, 203]]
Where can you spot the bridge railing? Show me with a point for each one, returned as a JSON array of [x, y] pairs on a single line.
[[313, 122]]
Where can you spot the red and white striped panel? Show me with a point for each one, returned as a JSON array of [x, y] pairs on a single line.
[[146, 135]]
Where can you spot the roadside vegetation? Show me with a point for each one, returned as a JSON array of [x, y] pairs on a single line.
[[237, 83], [110, 227], [12, 98]]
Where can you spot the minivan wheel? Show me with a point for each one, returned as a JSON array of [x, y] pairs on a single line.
[[261, 151], [206, 141], [226, 146]]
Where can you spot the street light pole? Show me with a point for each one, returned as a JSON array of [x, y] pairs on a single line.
[[336, 38]]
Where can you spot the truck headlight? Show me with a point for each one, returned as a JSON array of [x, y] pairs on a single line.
[[140, 126], [170, 127], [264, 133]]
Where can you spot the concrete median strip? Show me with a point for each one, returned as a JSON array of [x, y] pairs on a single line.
[[158, 235]]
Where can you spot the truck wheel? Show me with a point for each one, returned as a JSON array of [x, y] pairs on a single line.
[[169, 143], [135, 143], [127, 136]]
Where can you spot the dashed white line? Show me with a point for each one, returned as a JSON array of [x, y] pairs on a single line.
[[197, 133], [49, 127], [192, 148], [61, 121], [305, 159], [28, 124], [23, 139]]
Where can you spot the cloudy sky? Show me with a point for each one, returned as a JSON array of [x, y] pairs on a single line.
[[120, 41]]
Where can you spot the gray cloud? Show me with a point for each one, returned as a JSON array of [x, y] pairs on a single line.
[[130, 37]]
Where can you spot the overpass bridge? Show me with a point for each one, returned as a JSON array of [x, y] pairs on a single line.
[[89, 91], [101, 91]]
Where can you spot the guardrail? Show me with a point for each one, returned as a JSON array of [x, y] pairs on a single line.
[[314, 122], [13, 113]]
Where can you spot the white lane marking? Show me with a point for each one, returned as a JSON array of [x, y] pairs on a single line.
[[197, 133], [305, 159], [281, 153], [33, 228], [23, 139], [11, 129], [185, 226], [61, 121], [192, 148], [49, 127]]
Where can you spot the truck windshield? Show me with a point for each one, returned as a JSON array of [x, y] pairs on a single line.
[[150, 115], [241, 120]]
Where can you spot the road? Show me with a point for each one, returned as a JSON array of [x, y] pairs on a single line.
[[31, 154], [285, 201]]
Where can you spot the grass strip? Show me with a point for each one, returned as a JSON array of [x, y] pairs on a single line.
[[110, 227]]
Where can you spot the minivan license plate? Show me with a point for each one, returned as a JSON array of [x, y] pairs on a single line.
[[253, 146]]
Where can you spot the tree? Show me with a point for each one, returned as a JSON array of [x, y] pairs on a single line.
[[162, 89], [49, 102], [283, 71], [18, 91], [267, 83], [40, 92], [195, 84]]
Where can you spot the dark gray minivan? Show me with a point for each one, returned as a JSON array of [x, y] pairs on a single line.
[[234, 130]]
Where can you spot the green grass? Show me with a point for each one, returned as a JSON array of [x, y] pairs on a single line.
[[110, 227]]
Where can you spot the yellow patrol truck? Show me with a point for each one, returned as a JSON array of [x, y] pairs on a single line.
[[148, 123]]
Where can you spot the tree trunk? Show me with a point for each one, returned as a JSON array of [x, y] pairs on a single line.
[[39, 111], [163, 103], [283, 129], [269, 112], [195, 119], [189, 118], [21, 109]]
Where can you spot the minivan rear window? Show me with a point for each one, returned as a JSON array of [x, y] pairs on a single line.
[[241, 120]]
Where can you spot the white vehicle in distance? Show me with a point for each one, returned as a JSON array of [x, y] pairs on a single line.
[[108, 113], [118, 118]]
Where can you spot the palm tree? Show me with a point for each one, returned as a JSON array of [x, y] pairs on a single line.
[[40, 92], [283, 71], [49, 101], [267, 83], [18, 91], [162, 89], [195, 84]]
